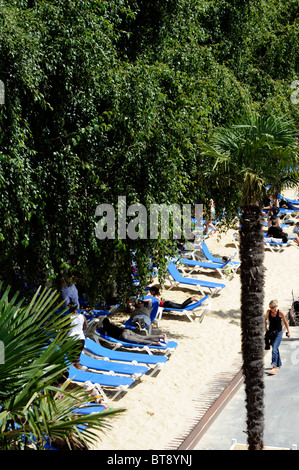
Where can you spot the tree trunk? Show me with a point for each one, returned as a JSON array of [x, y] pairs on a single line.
[[252, 322]]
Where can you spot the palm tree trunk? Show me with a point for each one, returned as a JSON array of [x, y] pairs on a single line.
[[252, 323]]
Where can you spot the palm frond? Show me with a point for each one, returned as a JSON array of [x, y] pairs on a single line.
[[253, 152], [38, 351]]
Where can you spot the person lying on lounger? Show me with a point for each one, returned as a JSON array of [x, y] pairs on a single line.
[[128, 335], [154, 291]]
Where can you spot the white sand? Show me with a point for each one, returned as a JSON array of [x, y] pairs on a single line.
[[160, 409]]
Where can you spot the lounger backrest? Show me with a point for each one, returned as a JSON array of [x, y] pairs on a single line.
[[193, 305], [100, 350], [207, 254], [174, 272]]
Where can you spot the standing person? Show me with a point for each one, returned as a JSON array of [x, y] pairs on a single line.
[[275, 317], [273, 211], [211, 214], [79, 325], [69, 291]]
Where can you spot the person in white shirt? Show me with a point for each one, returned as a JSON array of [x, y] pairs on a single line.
[[78, 327]]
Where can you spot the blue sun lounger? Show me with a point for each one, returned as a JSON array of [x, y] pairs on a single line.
[[292, 203], [275, 244], [222, 269], [153, 361], [202, 248], [281, 225], [282, 210], [116, 382], [178, 280], [94, 313], [91, 408], [202, 306], [166, 348], [206, 252], [112, 367]]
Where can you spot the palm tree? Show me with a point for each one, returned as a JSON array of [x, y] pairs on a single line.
[[33, 410], [251, 155]]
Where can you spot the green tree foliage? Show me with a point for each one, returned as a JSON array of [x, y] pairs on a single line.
[[107, 99]]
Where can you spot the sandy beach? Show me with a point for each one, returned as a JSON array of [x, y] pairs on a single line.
[[161, 409]]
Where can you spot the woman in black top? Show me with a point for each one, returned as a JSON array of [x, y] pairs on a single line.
[[274, 317]]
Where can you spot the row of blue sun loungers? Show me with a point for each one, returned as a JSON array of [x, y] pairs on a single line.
[[120, 365], [117, 366], [117, 370], [114, 370]]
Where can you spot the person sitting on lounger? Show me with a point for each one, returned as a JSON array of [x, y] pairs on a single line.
[[294, 236], [210, 214], [141, 312], [128, 335], [154, 291], [277, 232]]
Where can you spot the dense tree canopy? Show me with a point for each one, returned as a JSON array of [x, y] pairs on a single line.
[[108, 99]]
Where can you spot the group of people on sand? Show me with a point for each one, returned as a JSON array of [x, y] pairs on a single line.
[[79, 326], [140, 310], [274, 320], [274, 223]]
